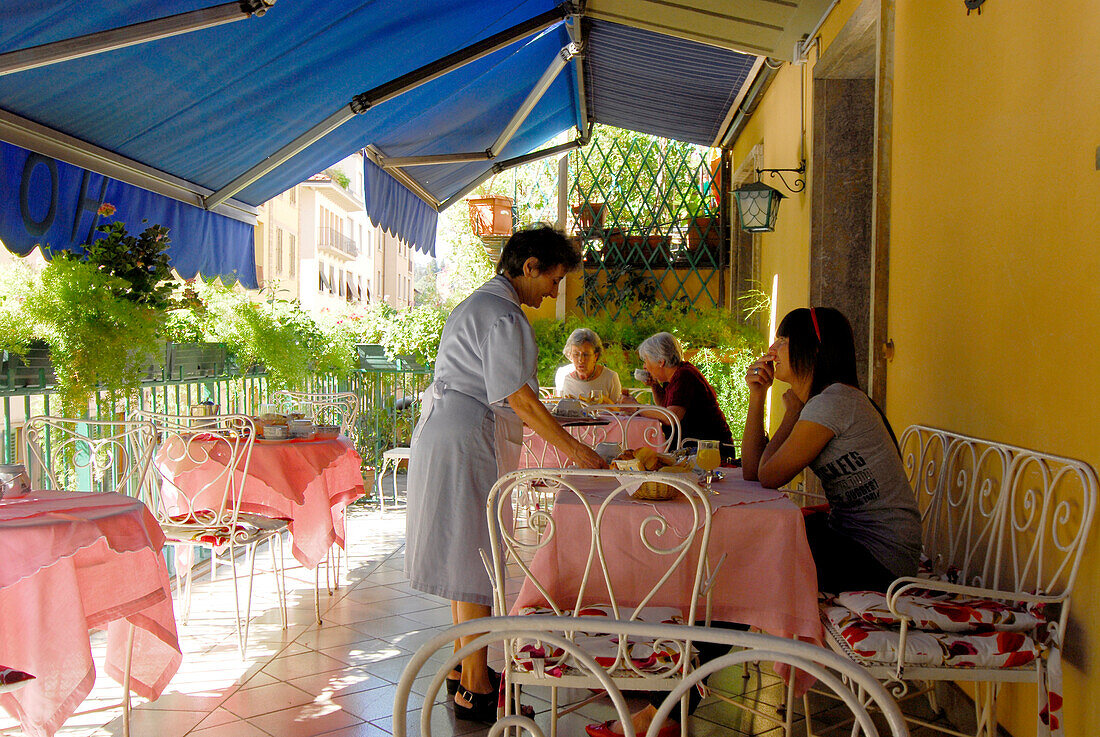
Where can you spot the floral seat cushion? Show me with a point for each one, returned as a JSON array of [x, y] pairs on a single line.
[[937, 611], [645, 655], [879, 643]]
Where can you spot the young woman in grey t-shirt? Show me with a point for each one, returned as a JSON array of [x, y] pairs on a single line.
[[871, 533]]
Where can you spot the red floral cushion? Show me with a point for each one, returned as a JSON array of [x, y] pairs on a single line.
[[878, 643], [936, 611], [11, 679], [644, 656]]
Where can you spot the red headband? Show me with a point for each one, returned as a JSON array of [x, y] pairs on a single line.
[[817, 329]]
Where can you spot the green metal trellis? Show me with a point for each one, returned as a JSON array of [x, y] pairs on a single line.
[[648, 216]]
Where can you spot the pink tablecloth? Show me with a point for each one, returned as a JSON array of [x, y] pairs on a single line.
[[768, 579], [308, 482], [639, 431], [69, 563]]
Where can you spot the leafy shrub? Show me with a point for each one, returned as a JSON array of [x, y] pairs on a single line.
[[95, 337]]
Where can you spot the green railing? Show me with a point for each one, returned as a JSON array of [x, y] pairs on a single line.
[[389, 399]]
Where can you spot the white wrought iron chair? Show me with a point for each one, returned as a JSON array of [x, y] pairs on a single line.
[[1004, 530], [93, 456], [337, 408], [88, 455], [600, 518], [195, 491], [620, 422], [849, 684]]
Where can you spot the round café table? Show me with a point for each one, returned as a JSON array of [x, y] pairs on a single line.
[[72, 562]]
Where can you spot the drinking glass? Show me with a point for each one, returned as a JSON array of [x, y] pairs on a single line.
[[708, 458]]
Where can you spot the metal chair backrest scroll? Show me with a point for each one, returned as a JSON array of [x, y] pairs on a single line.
[[89, 455]]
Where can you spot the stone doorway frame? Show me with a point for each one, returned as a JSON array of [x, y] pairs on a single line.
[[850, 211]]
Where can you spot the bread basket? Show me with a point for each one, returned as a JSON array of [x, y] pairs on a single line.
[[651, 491]]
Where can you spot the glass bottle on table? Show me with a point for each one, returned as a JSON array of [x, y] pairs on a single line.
[[708, 458]]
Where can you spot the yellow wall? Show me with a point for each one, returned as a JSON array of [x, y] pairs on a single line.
[[995, 254], [777, 126], [994, 303]]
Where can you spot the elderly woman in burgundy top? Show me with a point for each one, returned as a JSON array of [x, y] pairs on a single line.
[[680, 388]]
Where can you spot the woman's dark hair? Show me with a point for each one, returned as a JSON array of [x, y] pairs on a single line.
[[827, 351], [820, 343], [542, 242]]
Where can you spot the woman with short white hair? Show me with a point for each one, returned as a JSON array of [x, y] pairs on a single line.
[[588, 379], [681, 389]]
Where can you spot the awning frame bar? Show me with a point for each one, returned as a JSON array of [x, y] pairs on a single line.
[[49, 142], [576, 33], [136, 33], [562, 58], [504, 164], [387, 91], [537, 92]]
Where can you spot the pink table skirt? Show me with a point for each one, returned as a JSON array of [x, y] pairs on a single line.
[[768, 579], [70, 563], [639, 431], [308, 482]]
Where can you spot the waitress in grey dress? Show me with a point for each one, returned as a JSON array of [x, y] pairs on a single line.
[[470, 432]]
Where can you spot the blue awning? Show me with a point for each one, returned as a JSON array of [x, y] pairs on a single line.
[[54, 205], [206, 107], [395, 209]]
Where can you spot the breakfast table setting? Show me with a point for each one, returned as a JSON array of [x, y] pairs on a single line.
[[301, 472]]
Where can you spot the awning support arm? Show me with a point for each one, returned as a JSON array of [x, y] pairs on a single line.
[[510, 163], [397, 162], [137, 33], [520, 115], [563, 57], [387, 91]]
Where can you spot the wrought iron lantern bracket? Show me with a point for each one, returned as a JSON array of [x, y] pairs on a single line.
[[799, 182]]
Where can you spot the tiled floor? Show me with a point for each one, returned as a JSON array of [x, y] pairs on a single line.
[[338, 679]]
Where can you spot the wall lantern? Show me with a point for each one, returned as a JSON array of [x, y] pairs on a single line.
[[757, 207], [758, 204]]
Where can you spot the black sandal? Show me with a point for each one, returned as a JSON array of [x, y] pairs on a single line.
[[482, 708], [452, 683]]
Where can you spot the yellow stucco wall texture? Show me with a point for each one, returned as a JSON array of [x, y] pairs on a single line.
[[995, 252], [994, 268]]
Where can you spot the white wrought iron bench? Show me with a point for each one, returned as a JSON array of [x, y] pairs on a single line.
[[1004, 529]]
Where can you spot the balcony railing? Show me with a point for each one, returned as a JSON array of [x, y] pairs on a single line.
[[337, 241], [388, 402]]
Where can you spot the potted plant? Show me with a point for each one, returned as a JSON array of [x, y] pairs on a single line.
[[589, 216]]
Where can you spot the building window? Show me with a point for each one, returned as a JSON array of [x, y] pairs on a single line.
[[292, 193], [292, 263], [341, 282], [278, 251]]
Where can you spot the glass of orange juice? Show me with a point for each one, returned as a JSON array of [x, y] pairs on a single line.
[[708, 458]]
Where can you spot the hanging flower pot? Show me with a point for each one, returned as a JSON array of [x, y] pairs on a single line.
[[589, 216], [703, 229]]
